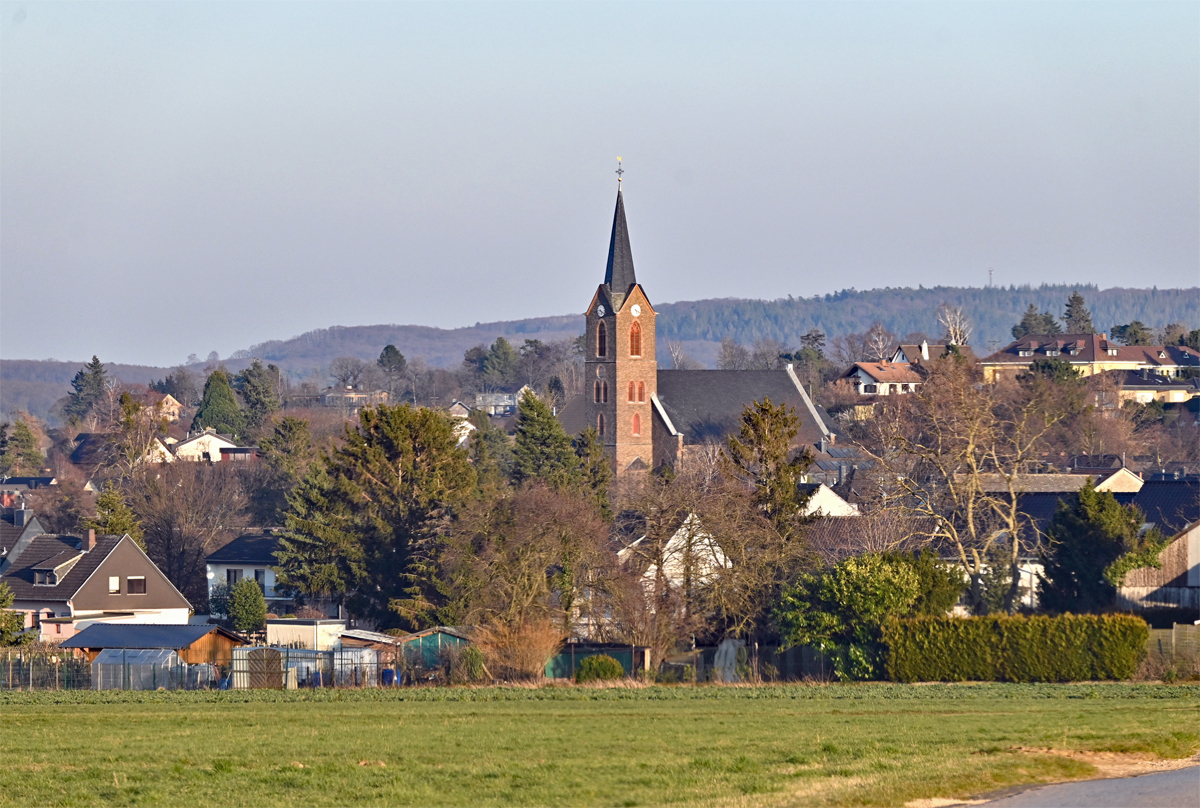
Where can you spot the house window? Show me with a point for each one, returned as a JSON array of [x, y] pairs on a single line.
[[635, 339], [232, 577], [1024, 353], [260, 578], [1051, 353], [601, 339], [600, 424], [44, 578], [637, 424], [641, 392], [136, 585], [114, 585], [870, 388], [58, 628], [1112, 351]]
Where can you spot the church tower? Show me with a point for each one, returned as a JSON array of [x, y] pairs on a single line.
[[621, 374]]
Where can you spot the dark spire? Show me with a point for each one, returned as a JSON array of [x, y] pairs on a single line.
[[619, 274]]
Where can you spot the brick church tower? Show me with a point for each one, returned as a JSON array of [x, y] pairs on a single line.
[[621, 374]]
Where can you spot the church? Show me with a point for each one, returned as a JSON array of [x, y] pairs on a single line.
[[648, 417]]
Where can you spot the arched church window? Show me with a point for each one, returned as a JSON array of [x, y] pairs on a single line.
[[601, 339], [637, 424], [641, 392], [604, 392], [596, 393], [631, 394], [600, 424], [635, 339]]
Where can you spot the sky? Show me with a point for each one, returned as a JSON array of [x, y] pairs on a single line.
[[179, 178]]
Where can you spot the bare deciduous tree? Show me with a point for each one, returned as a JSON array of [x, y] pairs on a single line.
[[956, 327], [346, 371], [879, 343]]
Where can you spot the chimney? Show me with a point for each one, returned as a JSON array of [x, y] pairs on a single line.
[[89, 541], [821, 446], [20, 517], [925, 350]]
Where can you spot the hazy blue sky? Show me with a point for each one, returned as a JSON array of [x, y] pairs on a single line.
[[179, 178]]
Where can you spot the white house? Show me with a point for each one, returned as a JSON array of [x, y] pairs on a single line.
[[205, 447], [250, 556]]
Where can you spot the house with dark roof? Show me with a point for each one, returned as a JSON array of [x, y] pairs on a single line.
[[251, 555], [921, 355], [1144, 386], [195, 644], [647, 417], [1089, 354], [18, 527], [63, 584]]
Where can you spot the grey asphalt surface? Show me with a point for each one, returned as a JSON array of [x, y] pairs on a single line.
[[1173, 789]]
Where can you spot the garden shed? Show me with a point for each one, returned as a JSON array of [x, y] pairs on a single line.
[[633, 658], [138, 669]]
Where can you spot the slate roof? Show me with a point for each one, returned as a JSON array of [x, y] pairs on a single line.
[[20, 575], [257, 548], [1170, 504], [142, 635], [834, 538], [1091, 348], [26, 483], [912, 353], [708, 404], [1147, 380], [1032, 483], [618, 275], [10, 531]]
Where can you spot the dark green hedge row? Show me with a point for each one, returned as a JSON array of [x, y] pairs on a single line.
[[1064, 648]]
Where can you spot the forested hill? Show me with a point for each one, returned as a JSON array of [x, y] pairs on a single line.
[[698, 325]]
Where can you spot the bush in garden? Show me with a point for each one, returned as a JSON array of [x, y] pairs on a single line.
[[597, 668]]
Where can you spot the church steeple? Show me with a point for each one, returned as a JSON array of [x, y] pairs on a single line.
[[619, 275]]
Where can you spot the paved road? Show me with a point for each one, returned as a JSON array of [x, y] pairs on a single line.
[[1174, 789]]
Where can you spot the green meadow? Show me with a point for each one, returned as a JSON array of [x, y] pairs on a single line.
[[557, 745]]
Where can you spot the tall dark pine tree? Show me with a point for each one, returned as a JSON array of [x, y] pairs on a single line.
[[88, 387], [594, 468], [1035, 322], [1135, 333], [393, 364], [543, 451], [363, 526], [1085, 539], [219, 408], [1077, 318], [259, 388]]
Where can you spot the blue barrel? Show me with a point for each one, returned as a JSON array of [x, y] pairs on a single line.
[[389, 677]]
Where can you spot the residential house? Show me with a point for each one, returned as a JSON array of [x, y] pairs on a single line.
[[195, 644], [251, 555], [205, 446], [18, 527], [499, 403], [164, 405], [352, 400], [883, 378], [1144, 386], [63, 584], [921, 355], [1089, 354]]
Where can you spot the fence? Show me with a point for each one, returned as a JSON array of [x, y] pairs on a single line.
[[1181, 641]]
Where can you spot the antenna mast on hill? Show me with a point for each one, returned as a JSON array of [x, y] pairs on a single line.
[[990, 271]]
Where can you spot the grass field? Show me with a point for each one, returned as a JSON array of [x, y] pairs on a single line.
[[794, 745]]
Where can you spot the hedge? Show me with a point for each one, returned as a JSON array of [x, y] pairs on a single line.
[[1064, 648]]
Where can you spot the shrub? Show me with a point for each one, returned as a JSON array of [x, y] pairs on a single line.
[[1062, 648], [598, 667], [247, 607]]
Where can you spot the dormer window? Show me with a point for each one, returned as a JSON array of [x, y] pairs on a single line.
[[1112, 351], [44, 578], [1162, 354], [1024, 353], [1052, 352]]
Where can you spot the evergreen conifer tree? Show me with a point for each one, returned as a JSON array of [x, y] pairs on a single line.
[[393, 364], [1135, 333], [491, 453], [1035, 322], [114, 517], [543, 451], [761, 456], [1086, 539], [500, 364], [20, 455], [1077, 319], [247, 606], [362, 527], [286, 453], [219, 407], [595, 472], [88, 386], [258, 387], [12, 624]]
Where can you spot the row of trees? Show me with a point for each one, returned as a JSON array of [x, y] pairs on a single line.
[[1077, 319]]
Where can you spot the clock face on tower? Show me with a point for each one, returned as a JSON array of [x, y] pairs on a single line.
[[635, 310], [600, 311]]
